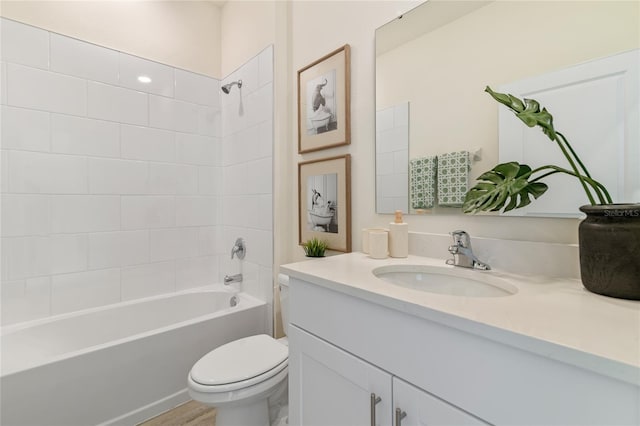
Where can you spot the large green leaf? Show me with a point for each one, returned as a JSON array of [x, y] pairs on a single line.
[[506, 187], [528, 111]]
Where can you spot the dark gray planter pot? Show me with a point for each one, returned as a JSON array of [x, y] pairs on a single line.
[[609, 239]]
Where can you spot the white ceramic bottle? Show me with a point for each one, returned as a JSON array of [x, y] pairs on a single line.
[[398, 237]]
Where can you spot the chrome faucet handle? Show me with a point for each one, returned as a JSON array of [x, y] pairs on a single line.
[[463, 254], [461, 238], [239, 249]]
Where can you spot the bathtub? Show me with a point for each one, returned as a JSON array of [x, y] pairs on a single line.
[[118, 364]]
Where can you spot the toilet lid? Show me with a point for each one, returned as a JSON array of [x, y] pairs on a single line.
[[240, 360]]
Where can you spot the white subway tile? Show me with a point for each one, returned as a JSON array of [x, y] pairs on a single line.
[[209, 121], [384, 119], [161, 76], [147, 212], [401, 161], [107, 176], [194, 149], [196, 272], [24, 44], [144, 143], [207, 240], [401, 115], [44, 90], [195, 211], [259, 176], [112, 103], [26, 257], [235, 144], [186, 179], [234, 178], [265, 66], [25, 300], [84, 290], [33, 172], [169, 244], [3, 83], [209, 180], [123, 248], [84, 136], [165, 113], [25, 215], [69, 253], [148, 280], [163, 178], [25, 129], [85, 213], [259, 105], [197, 89], [261, 243], [4, 171], [264, 213], [384, 163], [84, 60], [239, 210], [265, 140]]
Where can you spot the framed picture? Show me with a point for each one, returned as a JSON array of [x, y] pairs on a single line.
[[324, 102], [324, 201]]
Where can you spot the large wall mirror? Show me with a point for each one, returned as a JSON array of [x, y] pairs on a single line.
[[433, 63]]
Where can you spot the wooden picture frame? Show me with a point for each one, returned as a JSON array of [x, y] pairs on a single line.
[[324, 201], [324, 102]]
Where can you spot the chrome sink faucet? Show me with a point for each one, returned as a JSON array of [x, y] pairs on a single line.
[[463, 254]]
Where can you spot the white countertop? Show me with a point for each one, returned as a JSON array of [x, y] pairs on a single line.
[[556, 318]]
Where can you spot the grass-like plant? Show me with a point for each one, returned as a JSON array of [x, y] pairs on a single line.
[[512, 185], [315, 247]]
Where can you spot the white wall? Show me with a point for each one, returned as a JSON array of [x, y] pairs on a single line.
[[314, 34], [110, 186], [183, 34]]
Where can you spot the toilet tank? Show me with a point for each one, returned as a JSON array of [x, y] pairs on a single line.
[[283, 281]]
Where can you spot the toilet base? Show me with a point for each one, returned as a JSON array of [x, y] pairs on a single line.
[[255, 414]]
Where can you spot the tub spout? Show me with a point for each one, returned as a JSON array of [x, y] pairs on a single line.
[[228, 279]]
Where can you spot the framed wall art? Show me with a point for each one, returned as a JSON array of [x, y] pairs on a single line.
[[324, 102], [324, 201]]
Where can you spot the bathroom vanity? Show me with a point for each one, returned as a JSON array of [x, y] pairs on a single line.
[[364, 351]]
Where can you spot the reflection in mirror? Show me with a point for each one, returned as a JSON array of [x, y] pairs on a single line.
[[435, 62]]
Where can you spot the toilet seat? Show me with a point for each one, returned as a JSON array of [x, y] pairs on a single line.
[[235, 365]]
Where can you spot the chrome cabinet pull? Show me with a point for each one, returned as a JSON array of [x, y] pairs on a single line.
[[374, 401], [399, 416]]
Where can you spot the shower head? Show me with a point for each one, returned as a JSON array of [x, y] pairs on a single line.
[[227, 87]]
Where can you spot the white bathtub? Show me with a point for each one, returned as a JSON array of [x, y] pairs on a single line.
[[118, 364]]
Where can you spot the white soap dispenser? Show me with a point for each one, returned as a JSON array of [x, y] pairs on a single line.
[[398, 237]]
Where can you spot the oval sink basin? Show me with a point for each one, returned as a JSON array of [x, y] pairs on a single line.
[[444, 280]]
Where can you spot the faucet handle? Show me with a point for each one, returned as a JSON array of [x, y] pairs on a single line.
[[461, 237], [239, 249]]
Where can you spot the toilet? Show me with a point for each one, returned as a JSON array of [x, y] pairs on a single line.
[[246, 380]]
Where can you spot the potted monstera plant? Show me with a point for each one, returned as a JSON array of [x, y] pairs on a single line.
[[609, 236]]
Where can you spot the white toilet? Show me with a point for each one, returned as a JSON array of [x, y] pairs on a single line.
[[246, 380]]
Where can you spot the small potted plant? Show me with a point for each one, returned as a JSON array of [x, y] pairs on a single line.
[[315, 247], [609, 237]]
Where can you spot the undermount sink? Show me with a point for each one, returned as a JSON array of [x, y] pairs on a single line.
[[446, 280]]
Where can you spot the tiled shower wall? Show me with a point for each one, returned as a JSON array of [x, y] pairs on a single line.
[[111, 188], [247, 163]]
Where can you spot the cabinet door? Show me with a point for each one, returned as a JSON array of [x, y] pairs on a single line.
[[328, 386], [424, 409]]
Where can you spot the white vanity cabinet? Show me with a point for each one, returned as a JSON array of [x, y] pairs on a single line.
[[438, 368], [333, 387]]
